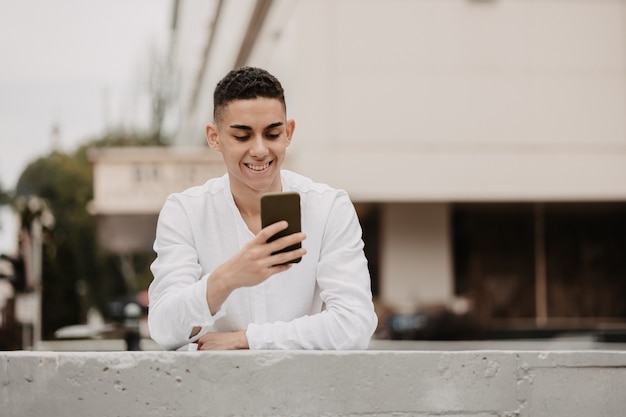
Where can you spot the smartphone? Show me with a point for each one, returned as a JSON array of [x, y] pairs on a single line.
[[282, 206]]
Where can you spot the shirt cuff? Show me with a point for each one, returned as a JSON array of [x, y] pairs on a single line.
[[255, 336], [199, 308]]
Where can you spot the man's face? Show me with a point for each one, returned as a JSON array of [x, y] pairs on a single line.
[[252, 136]]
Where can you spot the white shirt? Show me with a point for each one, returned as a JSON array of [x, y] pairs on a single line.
[[201, 228]]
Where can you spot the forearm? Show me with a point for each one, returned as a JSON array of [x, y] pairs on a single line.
[[218, 288], [174, 313], [332, 329], [253, 264]]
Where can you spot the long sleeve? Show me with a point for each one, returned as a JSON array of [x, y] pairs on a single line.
[[348, 320], [178, 292]]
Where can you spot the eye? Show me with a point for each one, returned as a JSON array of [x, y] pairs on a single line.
[[272, 135], [241, 138]]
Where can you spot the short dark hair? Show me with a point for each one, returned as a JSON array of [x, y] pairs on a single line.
[[245, 83]]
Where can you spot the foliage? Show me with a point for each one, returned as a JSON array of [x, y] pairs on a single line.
[[5, 198], [76, 273], [64, 183]]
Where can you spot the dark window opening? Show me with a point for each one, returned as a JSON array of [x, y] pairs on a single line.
[[494, 259], [560, 264], [369, 217]]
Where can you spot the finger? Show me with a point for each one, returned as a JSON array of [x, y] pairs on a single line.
[[283, 266], [286, 241], [280, 259], [271, 230]]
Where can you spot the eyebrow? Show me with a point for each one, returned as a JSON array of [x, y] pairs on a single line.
[[245, 127]]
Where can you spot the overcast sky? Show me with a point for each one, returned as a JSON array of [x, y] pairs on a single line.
[[80, 65]]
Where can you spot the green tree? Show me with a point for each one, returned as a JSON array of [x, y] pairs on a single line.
[[5, 197], [72, 261], [69, 251]]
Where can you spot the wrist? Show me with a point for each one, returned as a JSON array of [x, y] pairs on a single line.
[[217, 290], [242, 341]]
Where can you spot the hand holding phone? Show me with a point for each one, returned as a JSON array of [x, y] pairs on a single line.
[[282, 206]]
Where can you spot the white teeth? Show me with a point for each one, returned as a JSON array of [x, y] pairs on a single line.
[[258, 167]]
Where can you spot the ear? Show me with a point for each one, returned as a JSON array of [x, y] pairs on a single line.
[[212, 135], [291, 126]]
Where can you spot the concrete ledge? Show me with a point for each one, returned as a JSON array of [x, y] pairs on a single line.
[[307, 384]]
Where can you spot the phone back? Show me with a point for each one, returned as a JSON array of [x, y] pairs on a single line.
[[282, 206]]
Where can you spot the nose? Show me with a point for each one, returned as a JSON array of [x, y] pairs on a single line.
[[258, 148]]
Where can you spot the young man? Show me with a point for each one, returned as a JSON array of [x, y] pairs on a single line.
[[216, 280]]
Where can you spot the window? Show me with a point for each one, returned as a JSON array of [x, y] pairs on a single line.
[[561, 264]]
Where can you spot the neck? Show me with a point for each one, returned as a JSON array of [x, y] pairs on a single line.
[[248, 202]]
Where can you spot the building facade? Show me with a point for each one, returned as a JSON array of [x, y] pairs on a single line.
[[483, 142]]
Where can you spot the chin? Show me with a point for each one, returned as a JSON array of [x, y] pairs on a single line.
[[265, 186]]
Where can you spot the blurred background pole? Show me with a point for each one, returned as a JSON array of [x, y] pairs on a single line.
[[132, 336], [35, 231], [541, 286], [35, 216]]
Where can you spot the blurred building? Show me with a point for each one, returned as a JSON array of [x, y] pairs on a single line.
[[483, 142]]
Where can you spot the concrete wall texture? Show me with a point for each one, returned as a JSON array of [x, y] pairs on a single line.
[[307, 384]]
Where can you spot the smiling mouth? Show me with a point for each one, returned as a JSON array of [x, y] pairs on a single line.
[[258, 168]]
